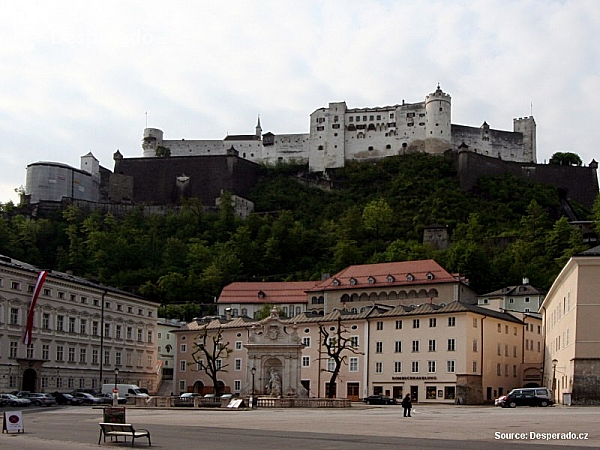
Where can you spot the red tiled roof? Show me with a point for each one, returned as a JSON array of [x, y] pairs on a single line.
[[266, 292], [388, 274]]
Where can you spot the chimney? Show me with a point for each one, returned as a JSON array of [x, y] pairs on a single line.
[[525, 280]]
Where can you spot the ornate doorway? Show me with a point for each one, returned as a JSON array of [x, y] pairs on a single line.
[[29, 380]]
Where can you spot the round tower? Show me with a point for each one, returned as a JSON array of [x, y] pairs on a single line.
[[438, 134], [153, 137]]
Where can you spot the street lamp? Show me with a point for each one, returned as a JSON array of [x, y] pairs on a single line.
[[116, 390], [253, 371]]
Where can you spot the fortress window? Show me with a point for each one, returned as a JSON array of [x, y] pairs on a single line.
[[410, 114], [350, 119], [391, 115], [335, 118], [370, 148], [421, 124], [388, 146], [404, 145], [371, 117], [364, 118], [378, 117], [421, 115], [320, 147]]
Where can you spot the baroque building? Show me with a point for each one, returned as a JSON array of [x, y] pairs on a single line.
[[80, 333]]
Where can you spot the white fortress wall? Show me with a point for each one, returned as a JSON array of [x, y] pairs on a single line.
[[195, 148]]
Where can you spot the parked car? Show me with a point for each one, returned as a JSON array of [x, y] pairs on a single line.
[[13, 400], [88, 399], [526, 397], [38, 399], [67, 399], [189, 396], [379, 400], [108, 399]]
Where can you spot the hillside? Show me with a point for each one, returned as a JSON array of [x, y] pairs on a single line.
[[504, 230]]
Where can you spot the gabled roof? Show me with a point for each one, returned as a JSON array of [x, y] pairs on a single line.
[[241, 137], [266, 292], [399, 273], [513, 291]]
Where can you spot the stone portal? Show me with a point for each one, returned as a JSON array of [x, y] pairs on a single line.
[[274, 352]]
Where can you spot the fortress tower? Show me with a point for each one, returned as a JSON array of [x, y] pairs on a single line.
[[526, 126], [153, 137], [438, 135]]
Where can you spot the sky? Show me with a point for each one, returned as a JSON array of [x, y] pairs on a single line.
[[90, 76]]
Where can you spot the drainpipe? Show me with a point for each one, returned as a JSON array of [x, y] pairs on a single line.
[[482, 349]]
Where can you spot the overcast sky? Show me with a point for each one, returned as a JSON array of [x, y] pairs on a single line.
[[80, 76]]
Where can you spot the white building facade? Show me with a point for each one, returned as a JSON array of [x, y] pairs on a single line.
[[338, 134]]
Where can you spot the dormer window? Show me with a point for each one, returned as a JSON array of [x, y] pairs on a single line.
[[430, 276], [371, 280], [352, 281], [390, 279], [336, 282], [261, 294], [410, 277]]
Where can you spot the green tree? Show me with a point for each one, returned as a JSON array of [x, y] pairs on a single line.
[[565, 159]]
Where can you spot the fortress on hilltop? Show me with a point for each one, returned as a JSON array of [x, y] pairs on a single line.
[[338, 134], [171, 170]]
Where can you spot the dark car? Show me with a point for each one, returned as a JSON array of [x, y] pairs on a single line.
[[526, 397], [67, 399], [379, 400], [88, 399]]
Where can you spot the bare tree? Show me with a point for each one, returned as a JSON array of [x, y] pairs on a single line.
[[209, 352], [337, 345]]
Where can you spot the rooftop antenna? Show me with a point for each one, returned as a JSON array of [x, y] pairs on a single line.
[[146, 119], [531, 106]]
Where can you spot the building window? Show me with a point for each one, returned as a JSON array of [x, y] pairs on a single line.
[[353, 366], [59, 353], [183, 348], [237, 385], [397, 366], [306, 341], [15, 286], [451, 345], [330, 365], [238, 345], [379, 326], [45, 351], [475, 345], [118, 329], [46, 321], [449, 392], [416, 323], [107, 330], [451, 321], [118, 359], [398, 347], [106, 357], [95, 328], [60, 323], [94, 356], [415, 346], [378, 347], [432, 322], [182, 366], [378, 367], [237, 364], [450, 366], [29, 351], [430, 366], [14, 316], [414, 367], [432, 345], [354, 341], [306, 361], [82, 355], [474, 322], [398, 324], [474, 366], [71, 324], [149, 336], [82, 326]]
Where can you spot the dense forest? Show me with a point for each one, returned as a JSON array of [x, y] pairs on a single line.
[[502, 231]]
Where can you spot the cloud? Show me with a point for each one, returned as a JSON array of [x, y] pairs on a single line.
[[81, 77]]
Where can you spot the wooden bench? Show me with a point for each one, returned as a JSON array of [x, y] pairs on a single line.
[[116, 430]]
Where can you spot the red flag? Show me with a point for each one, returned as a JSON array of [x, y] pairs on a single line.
[[27, 338]]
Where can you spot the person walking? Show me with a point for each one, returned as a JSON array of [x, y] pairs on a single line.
[[407, 405]]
